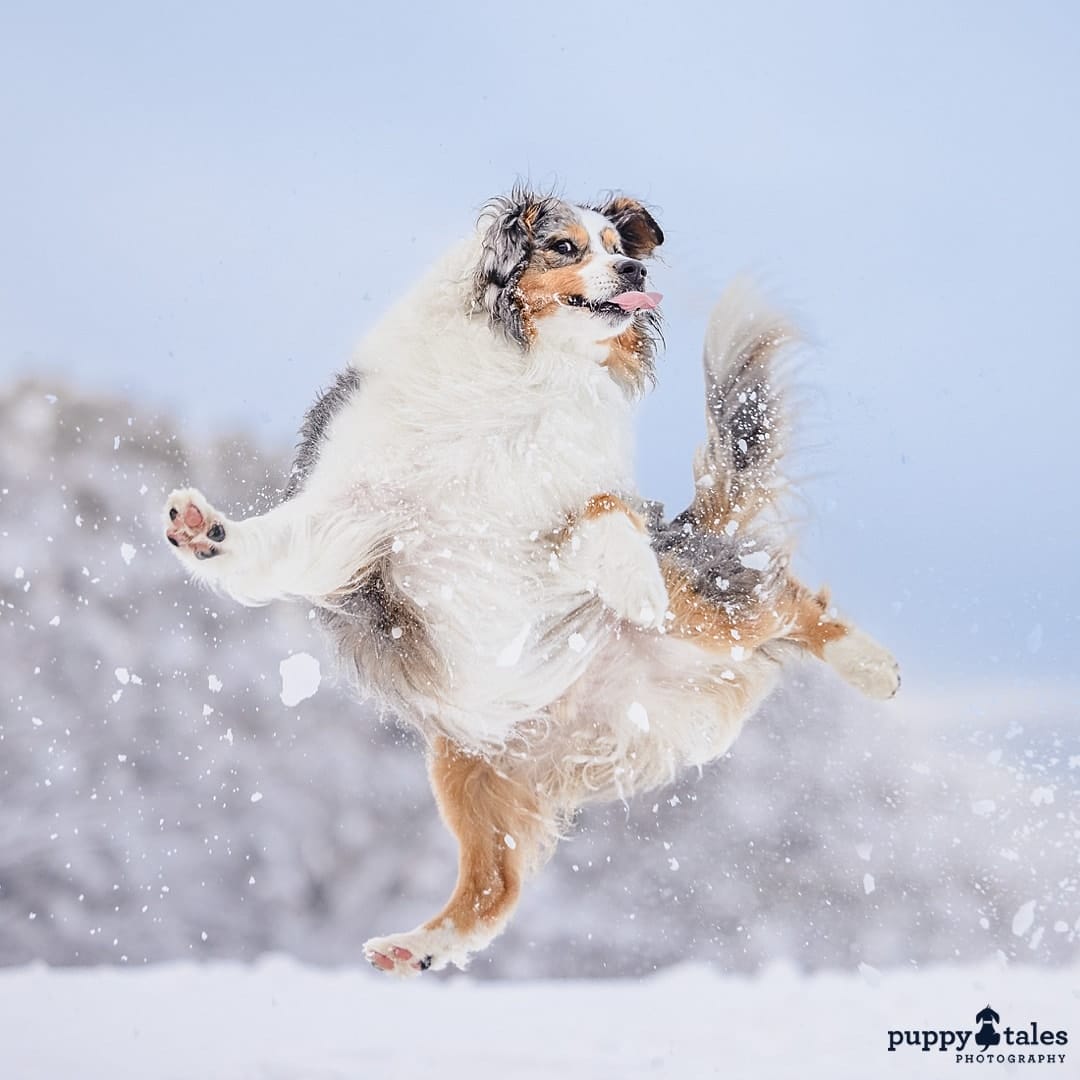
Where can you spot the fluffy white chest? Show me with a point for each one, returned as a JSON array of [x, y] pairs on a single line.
[[474, 464]]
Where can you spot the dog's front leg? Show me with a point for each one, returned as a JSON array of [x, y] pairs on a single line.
[[608, 547], [302, 548]]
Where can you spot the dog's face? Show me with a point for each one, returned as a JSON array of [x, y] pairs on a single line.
[[553, 272]]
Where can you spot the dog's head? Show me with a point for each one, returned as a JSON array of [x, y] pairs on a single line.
[[553, 272]]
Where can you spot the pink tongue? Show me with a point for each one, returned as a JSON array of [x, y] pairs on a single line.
[[633, 301]]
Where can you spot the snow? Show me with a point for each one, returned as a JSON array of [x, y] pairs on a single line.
[[300, 678], [511, 653], [755, 560], [870, 974], [279, 1020], [1024, 918], [638, 715], [127, 553]]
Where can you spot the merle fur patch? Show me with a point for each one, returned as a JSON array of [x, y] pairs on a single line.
[[382, 639], [516, 222], [316, 420]]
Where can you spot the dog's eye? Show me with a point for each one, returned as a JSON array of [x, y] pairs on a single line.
[[564, 247]]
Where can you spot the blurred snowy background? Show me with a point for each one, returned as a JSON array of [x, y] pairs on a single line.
[[205, 206]]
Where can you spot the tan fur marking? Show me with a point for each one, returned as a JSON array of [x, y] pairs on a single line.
[[797, 615], [541, 290], [483, 807], [621, 204], [628, 360], [706, 621], [606, 503], [529, 216], [814, 628], [579, 234], [610, 239]]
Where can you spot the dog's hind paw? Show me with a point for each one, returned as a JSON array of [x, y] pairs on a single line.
[[395, 959], [406, 954], [859, 660], [423, 949]]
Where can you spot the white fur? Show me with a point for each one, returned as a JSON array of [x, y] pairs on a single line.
[[302, 548], [612, 555], [598, 273], [861, 661]]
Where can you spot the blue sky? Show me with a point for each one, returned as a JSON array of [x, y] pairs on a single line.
[[206, 205]]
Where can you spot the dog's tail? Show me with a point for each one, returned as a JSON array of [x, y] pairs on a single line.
[[729, 547], [738, 469]]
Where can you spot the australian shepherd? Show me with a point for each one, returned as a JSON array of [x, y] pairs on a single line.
[[462, 514]]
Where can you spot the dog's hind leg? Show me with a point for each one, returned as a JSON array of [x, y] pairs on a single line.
[[853, 654], [302, 548], [781, 610], [501, 834]]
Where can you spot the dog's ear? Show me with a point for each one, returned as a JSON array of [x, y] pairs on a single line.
[[638, 230], [509, 225]]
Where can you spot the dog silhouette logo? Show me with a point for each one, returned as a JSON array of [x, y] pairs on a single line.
[[986, 1035]]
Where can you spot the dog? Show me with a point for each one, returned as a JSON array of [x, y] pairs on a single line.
[[462, 514]]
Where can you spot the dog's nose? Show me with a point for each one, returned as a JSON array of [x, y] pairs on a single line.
[[632, 271]]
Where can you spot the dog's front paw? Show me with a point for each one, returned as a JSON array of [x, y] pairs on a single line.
[[634, 589], [859, 660], [619, 564], [193, 526]]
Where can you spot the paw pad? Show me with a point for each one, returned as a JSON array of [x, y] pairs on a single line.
[[193, 526]]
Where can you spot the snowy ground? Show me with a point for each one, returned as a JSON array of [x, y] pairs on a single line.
[[278, 1020]]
